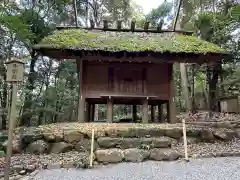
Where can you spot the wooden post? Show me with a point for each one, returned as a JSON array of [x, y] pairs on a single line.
[[133, 25], [12, 120], [171, 103], [81, 110], [15, 70], [81, 100], [119, 25], [109, 110], [145, 111], [92, 147], [160, 113], [153, 113], [92, 111], [92, 24], [185, 140], [160, 24], [105, 24], [8, 105], [87, 112], [146, 26], [134, 113]]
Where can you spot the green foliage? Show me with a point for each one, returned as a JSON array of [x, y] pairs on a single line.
[[35, 24], [16, 25], [55, 94], [118, 9], [2, 154], [159, 13], [110, 41]]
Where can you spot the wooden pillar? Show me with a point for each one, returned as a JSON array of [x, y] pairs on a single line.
[[81, 100], [92, 111], [109, 110], [145, 112], [153, 113], [87, 112], [160, 113], [134, 113], [81, 110], [171, 107]]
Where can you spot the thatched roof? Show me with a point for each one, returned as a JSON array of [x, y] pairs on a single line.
[[73, 40]]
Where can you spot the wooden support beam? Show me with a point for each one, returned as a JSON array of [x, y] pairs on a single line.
[[87, 112], [145, 111], [92, 111], [92, 24], [133, 23], [105, 24], [119, 25], [146, 26], [160, 24], [160, 113], [134, 113], [109, 110], [152, 113], [81, 110]]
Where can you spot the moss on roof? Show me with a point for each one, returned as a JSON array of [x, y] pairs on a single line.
[[131, 42]]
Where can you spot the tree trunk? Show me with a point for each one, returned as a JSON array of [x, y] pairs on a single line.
[[25, 120], [193, 105], [183, 70], [212, 76], [184, 81], [222, 91]]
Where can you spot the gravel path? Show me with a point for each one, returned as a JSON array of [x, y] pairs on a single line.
[[207, 169]]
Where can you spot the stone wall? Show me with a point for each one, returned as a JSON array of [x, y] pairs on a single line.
[[116, 145]]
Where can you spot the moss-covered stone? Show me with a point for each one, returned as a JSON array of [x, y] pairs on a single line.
[[131, 42]]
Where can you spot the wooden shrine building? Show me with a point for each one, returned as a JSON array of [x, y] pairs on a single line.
[[126, 66]]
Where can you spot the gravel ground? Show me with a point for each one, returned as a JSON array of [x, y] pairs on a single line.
[[210, 149], [195, 150], [31, 159], [207, 169]]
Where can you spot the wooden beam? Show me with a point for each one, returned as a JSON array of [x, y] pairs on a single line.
[[91, 55], [109, 110]]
